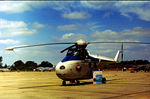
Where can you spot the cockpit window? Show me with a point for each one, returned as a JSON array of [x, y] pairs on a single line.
[[75, 53], [82, 53], [70, 52]]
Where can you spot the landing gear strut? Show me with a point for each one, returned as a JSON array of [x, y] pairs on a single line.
[[64, 83]]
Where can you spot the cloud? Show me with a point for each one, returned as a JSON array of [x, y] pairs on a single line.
[[14, 28], [70, 27], [14, 6], [68, 9], [98, 5], [76, 15], [38, 25], [70, 37], [11, 24], [67, 36], [60, 5], [91, 26], [126, 8], [9, 41], [134, 34], [67, 27], [140, 9], [137, 32], [103, 35]]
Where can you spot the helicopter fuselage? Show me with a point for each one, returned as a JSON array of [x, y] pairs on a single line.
[[76, 69], [77, 65]]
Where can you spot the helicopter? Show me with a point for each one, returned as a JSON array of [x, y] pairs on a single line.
[[79, 63]]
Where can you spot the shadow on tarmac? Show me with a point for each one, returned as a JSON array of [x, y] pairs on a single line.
[[81, 84], [37, 86]]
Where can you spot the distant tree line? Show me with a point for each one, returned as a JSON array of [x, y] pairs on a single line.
[[27, 66], [127, 64], [136, 62], [1, 59]]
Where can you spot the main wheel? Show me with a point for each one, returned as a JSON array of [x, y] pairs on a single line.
[[104, 80], [64, 83], [78, 82]]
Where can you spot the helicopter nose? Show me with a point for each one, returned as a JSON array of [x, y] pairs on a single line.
[[60, 68]]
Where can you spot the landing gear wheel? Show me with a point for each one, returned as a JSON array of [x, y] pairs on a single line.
[[78, 82], [64, 83], [72, 81], [104, 80]]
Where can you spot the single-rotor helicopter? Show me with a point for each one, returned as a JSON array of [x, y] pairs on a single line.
[[78, 63]]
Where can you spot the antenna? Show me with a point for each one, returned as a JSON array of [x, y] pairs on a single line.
[[122, 52]]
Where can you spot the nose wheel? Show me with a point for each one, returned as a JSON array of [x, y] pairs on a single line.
[[64, 83], [78, 82]]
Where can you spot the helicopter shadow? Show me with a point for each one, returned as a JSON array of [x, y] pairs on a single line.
[[37, 86], [72, 84], [83, 83]]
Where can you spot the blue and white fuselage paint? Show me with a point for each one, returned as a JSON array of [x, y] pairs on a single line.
[[74, 68]]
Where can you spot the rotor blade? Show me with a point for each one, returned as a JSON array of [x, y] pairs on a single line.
[[25, 46], [121, 42], [67, 48]]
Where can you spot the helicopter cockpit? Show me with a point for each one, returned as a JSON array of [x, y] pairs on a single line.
[[81, 53]]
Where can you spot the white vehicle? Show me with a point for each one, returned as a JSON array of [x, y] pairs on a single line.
[[78, 63], [45, 69], [4, 70]]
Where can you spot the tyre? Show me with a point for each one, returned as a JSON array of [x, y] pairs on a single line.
[[104, 80], [64, 83]]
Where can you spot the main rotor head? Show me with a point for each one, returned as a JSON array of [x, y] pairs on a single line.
[[81, 42]]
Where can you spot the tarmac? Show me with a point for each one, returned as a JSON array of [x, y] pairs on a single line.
[[46, 85]]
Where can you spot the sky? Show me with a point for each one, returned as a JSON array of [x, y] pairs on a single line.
[[35, 22]]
